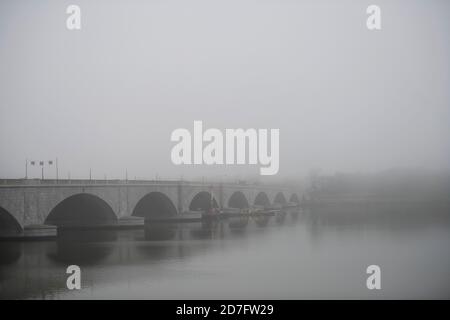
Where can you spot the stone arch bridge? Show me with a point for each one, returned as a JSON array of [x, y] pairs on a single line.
[[32, 203]]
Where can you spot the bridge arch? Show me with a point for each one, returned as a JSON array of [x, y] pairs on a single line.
[[154, 205], [294, 198], [82, 209], [262, 199], [238, 200], [8, 224], [279, 198], [202, 202]]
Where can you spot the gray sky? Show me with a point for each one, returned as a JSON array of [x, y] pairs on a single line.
[[107, 97]]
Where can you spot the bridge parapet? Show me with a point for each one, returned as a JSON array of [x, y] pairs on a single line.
[[59, 182]]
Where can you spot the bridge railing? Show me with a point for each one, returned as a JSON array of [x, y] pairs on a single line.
[[19, 182]]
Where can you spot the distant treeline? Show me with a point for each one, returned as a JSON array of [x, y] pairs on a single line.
[[393, 184]]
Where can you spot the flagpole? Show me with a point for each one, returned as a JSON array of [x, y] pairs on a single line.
[[26, 168], [56, 169]]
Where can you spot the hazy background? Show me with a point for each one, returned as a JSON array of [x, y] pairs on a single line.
[[108, 96]]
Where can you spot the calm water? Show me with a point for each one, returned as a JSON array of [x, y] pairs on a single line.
[[316, 256]]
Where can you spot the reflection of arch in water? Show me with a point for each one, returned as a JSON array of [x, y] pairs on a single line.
[[160, 231], [10, 252], [155, 251], [238, 200], [262, 200], [81, 210], [261, 220], [208, 229], [154, 205], [9, 226], [83, 247], [280, 216], [238, 225], [203, 201]]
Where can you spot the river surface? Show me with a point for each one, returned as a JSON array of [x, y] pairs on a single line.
[[303, 258]]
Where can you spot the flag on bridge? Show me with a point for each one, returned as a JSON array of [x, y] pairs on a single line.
[[32, 163], [50, 162], [41, 163]]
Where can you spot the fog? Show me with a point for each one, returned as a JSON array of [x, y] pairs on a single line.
[[108, 96]]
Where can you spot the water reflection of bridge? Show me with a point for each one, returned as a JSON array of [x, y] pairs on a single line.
[[28, 206], [36, 269]]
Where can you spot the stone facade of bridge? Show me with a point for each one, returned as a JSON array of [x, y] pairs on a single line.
[[30, 204]]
